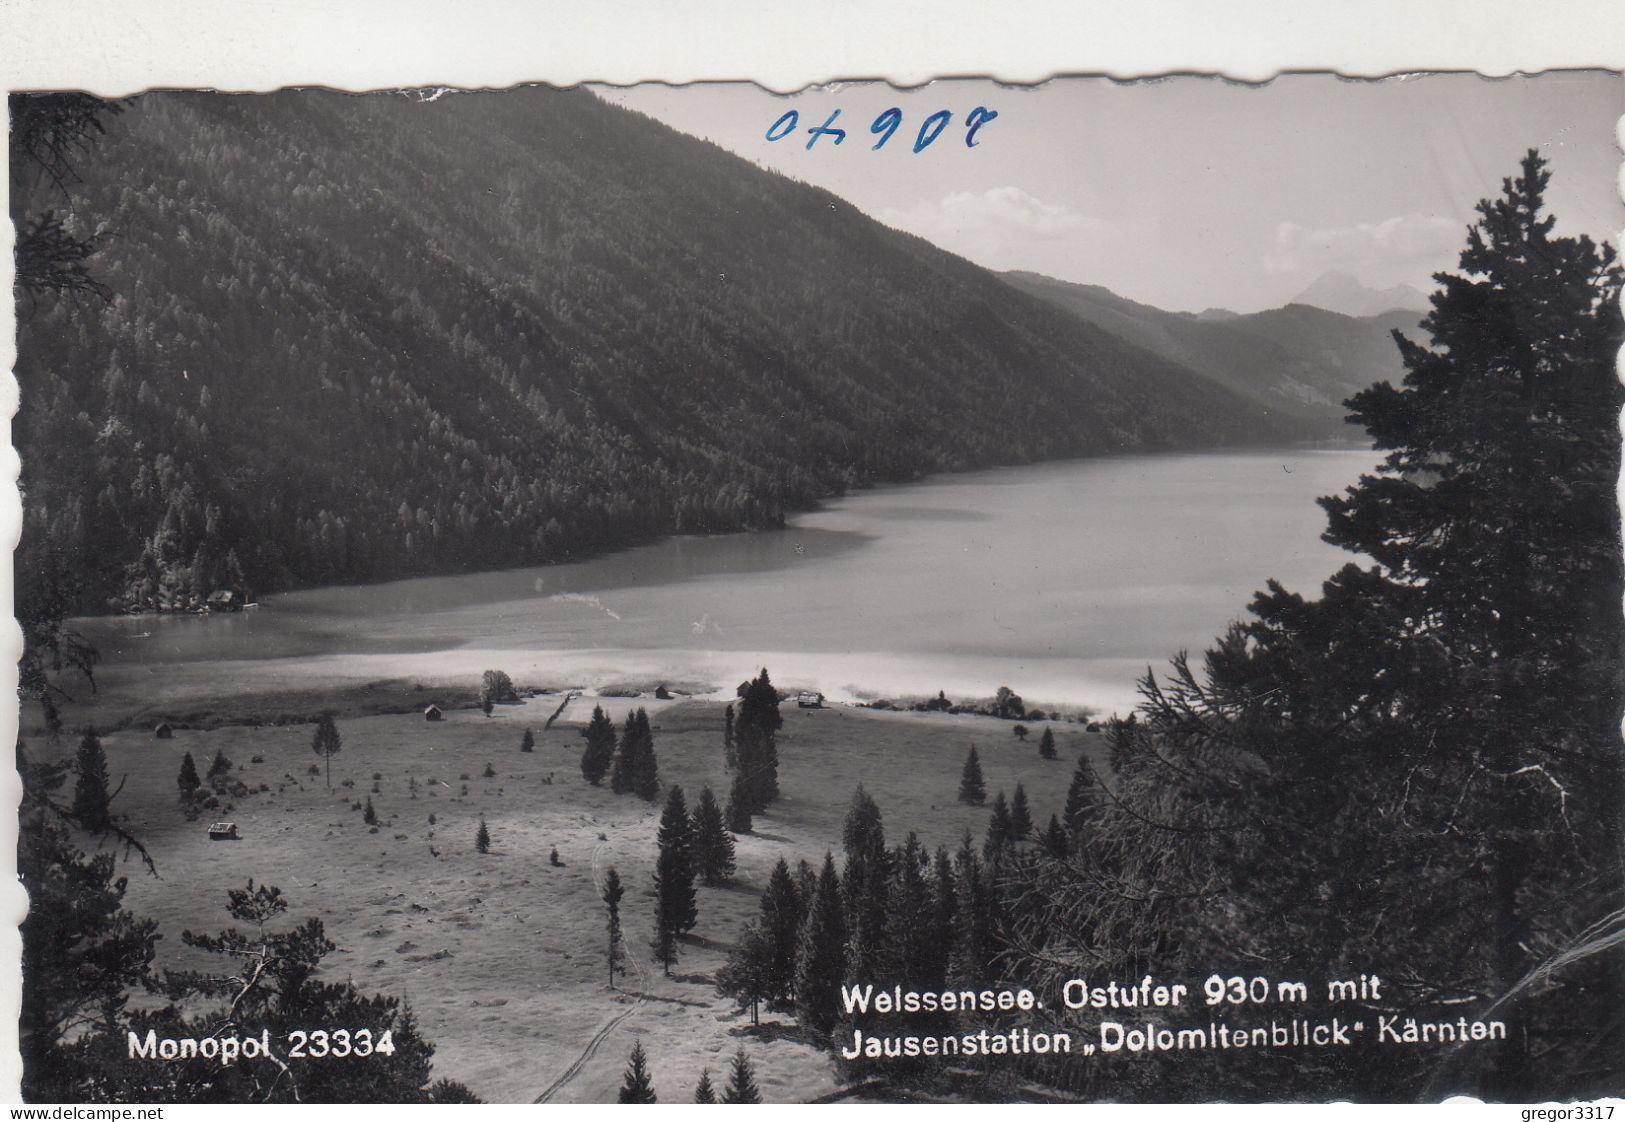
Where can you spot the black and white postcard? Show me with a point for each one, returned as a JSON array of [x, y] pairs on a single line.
[[1102, 591]]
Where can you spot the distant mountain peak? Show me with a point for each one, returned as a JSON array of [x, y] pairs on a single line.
[[1336, 291]]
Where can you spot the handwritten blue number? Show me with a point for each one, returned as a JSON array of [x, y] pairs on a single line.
[[886, 123], [979, 116], [820, 130], [788, 121], [941, 118]]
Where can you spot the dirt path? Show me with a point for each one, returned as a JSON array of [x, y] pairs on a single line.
[[591, 1049]]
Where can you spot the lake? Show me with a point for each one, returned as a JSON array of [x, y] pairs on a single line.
[[1063, 581]]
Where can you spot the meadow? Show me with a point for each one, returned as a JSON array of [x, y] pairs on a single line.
[[502, 955]]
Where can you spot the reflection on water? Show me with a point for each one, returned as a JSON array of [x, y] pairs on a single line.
[[1069, 577]]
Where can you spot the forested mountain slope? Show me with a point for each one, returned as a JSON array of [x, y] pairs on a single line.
[[353, 338], [1300, 360]]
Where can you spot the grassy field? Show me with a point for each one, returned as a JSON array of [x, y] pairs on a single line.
[[501, 955]]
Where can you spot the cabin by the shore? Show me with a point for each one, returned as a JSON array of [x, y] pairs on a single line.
[[226, 600], [223, 831], [809, 699], [163, 731], [433, 713]]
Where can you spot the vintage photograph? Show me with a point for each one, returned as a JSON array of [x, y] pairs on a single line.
[[1090, 592]]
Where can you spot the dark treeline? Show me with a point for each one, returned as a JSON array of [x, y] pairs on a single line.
[[891, 916], [350, 338]]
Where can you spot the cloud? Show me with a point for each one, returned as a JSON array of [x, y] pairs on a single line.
[[1006, 211], [1005, 228], [1403, 246]]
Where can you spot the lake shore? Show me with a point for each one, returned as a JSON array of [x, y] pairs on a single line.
[[1062, 581], [290, 691]]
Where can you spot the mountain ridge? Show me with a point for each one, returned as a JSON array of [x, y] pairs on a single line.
[[1337, 291], [359, 337], [1299, 360]]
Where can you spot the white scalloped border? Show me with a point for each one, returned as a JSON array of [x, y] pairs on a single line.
[[259, 45]]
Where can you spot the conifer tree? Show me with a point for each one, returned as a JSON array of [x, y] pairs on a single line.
[[326, 744], [755, 740], [730, 750], [188, 780], [944, 921], [806, 884], [615, 952], [1021, 816], [370, 815], [744, 977], [527, 743], [1046, 744], [1475, 640], [482, 837], [972, 786], [675, 907], [637, 1087], [741, 1081], [1055, 838], [703, 1091], [620, 776], [863, 833], [645, 769], [670, 874], [220, 765], [676, 831], [820, 956], [713, 844], [1080, 800], [974, 944], [83, 952], [998, 827], [599, 752], [783, 911], [908, 933], [739, 814], [865, 883], [90, 792]]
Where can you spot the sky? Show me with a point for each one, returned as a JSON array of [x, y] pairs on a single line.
[[1189, 192]]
